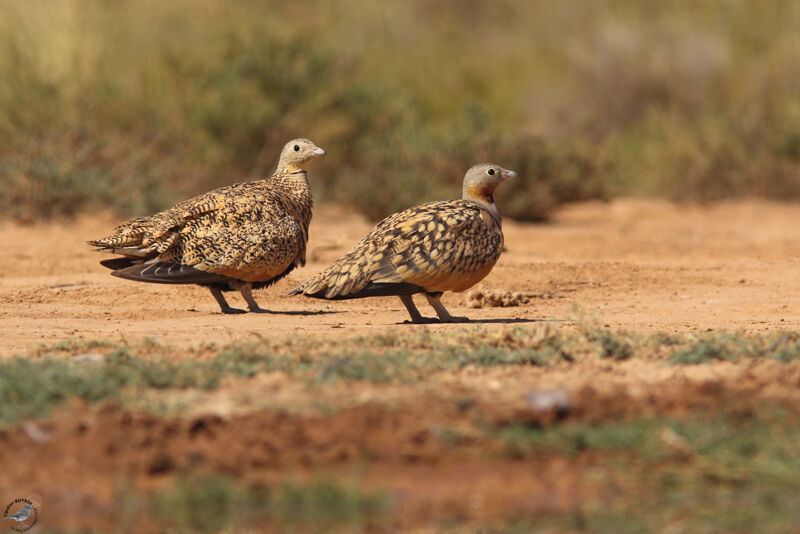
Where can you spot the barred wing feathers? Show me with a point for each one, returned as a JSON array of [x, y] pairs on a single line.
[[440, 246]]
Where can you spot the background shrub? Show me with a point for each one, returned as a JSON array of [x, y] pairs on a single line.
[[133, 105]]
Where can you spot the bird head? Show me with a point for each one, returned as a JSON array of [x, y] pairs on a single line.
[[482, 179], [297, 154]]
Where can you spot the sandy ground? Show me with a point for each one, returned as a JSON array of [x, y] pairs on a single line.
[[637, 265], [631, 264]]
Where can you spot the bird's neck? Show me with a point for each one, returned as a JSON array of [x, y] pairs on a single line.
[[291, 167], [289, 175], [483, 197], [296, 190]]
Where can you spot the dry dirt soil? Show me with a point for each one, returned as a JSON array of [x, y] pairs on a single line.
[[637, 265], [630, 264]]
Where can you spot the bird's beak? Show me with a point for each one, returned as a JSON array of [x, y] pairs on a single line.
[[508, 174], [318, 151]]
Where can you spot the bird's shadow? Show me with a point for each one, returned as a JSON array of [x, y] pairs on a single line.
[[277, 312], [509, 320], [305, 312]]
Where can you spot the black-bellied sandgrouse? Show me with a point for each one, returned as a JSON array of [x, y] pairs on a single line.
[[442, 246], [238, 237]]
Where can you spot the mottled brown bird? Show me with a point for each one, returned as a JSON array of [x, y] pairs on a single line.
[[442, 246], [238, 237]]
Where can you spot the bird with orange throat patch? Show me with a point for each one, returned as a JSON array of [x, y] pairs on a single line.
[[448, 245], [239, 237]]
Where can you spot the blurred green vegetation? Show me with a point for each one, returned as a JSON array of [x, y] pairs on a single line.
[[215, 504], [101, 370], [131, 106]]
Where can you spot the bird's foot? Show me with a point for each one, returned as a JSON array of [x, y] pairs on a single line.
[[453, 319], [421, 320], [258, 309], [232, 311]]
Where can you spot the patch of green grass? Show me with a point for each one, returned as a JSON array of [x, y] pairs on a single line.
[[30, 387], [365, 365], [488, 356], [702, 352], [781, 346], [784, 347], [216, 504], [703, 474], [613, 347], [706, 509], [99, 370], [726, 448]]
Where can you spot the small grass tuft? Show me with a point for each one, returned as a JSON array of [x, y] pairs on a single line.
[[613, 347], [702, 352]]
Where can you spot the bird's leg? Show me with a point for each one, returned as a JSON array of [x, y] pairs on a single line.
[[252, 305], [223, 304], [413, 312], [434, 299]]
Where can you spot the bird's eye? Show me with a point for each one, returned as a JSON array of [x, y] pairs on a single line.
[[297, 148], [491, 172]]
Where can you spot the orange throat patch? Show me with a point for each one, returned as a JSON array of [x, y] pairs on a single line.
[[480, 192]]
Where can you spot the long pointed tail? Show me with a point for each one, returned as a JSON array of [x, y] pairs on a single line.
[[347, 275]]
